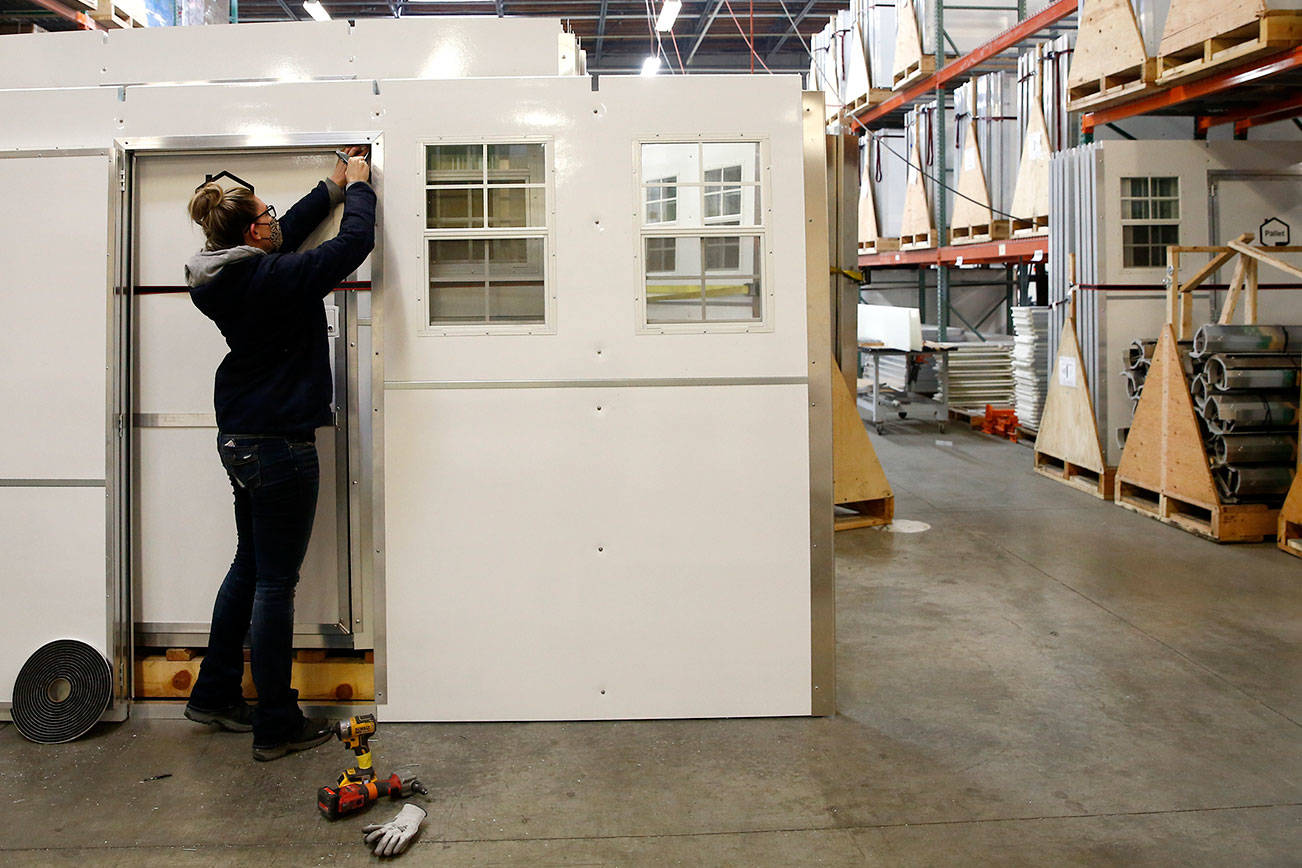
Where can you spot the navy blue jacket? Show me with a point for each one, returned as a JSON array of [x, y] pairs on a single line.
[[276, 377]]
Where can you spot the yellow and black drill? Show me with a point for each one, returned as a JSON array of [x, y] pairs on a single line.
[[355, 733]]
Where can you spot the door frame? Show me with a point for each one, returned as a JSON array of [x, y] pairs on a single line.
[[362, 628]]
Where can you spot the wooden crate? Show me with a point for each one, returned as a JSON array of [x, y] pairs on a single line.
[[865, 101], [1276, 31], [1164, 471], [880, 245], [995, 230], [920, 241], [1031, 227]]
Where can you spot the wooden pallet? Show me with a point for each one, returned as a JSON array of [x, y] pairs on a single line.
[[867, 100], [996, 230], [1218, 522], [864, 513], [920, 241], [1029, 228], [920, 68], [316, 676], [1109, 63], [1277, 31], [1113, 87], [1078, 476], [860, 491]]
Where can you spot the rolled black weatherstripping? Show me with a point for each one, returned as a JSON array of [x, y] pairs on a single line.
[[61, 691]]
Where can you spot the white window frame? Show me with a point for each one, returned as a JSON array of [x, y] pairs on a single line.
[[708, 229], [546, 233], [671, 181], [1149, 221]]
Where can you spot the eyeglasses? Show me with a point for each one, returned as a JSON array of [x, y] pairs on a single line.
[[270, 212]]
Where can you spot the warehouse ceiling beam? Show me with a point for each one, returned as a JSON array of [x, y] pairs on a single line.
[[501, 8], [794, 28], [703, 23], [288, 10]]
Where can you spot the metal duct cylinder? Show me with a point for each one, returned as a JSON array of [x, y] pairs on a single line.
[[1231, 411], [1226, 372], [1199, 388], [1271, 448], [1134, 382], [1247, 339], [1259, 481], [1121, 435], [1139, 352]]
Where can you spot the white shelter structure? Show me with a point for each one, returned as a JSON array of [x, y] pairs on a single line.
[[582, 461]]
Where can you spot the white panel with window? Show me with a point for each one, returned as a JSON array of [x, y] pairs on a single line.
[[488, 238], [1150, 220], [703, 237]]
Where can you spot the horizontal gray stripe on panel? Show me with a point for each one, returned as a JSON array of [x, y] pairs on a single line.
[[52, 483], [174, 420], [595, 384]]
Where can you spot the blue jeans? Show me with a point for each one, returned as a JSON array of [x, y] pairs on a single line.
[[275, 480]]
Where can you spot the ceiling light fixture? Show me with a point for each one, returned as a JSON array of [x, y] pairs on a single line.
[[316, 10], [668, 15], [651, 65]]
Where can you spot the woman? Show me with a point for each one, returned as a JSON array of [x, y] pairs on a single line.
[[272, 391]]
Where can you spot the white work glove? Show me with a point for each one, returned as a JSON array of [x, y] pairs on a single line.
[[393, 837]]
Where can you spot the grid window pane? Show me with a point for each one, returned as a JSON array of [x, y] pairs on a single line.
[[733, 300], [454, 164], [454, 208], [516, 301], [516, 206], [742, 159], [722, 254], [674, 300], [456, 303], [516, 257], [454, 258], [681, 160], [661, 254], [516, 164]]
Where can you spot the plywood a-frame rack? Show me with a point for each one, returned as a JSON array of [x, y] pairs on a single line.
[[1031, 195], [1110, 63], [917, 230], [1067, 446], [870, 241], [973, 217], [911, 63], [1289, 532], [1164, 471], [860, 491]]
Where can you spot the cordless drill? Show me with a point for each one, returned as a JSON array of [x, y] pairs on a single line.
[[355, 733], [339, 801]]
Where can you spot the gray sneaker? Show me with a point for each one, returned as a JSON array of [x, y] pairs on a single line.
[[235, 718], [312, 732]]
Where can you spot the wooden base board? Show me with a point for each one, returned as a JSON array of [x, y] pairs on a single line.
[[881, 245], [867, 100], [1291, 542], [997, 230], [1086, 479], [1117, 87], [330, 678], [1030, 228], [864, 513], [1222, 523], [921, 68], [921, 241], [1276, 32]]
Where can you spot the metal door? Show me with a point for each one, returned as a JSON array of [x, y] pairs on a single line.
[[184, 533]]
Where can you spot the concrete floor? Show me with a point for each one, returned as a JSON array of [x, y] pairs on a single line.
[[1040, 678]]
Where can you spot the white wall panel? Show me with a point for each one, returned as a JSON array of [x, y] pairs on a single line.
[[54, 290], [54, 587], [75, 118], [182, 553], [378, 48], [549, 559]]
